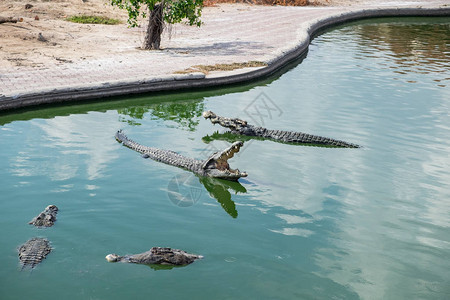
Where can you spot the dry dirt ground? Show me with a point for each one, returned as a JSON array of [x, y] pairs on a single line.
[[66, 42]]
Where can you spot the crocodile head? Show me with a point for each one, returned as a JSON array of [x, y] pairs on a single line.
[[217, 164], [234, 124], [112, 257]]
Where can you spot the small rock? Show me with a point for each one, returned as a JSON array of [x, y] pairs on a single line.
[[42, 38], [36, 18], [28, 6]]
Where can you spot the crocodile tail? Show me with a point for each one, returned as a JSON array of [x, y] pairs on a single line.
[[122, 138], [304, 138], [165, 156]]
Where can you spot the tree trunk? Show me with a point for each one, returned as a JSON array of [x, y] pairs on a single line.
[[155, 28]]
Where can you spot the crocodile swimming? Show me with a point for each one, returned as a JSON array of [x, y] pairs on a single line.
[[216, 165], [157, 256], [33, 252], [241, 127], [46, 218]]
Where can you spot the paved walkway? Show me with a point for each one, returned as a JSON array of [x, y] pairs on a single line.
[[250, 33]]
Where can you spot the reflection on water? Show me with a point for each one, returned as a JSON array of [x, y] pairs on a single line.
[[407, 48], [49, 146], [163, 267], [185, 190], [184, 114], [219, 190]]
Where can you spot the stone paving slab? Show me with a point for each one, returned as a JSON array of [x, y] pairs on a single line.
[[275, 35]]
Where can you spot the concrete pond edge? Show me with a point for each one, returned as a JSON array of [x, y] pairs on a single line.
[[179, 82]]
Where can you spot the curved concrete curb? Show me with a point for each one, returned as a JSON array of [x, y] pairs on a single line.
[[199, 80]]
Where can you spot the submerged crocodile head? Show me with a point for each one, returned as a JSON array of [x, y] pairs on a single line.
[[217, 164]]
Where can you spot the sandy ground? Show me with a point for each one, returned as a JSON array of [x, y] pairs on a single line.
[[68, 42]]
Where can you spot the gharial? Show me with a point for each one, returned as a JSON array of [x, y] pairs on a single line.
[[157, 255], [46, 218], [34, 251], [241, 127], [216, 165]]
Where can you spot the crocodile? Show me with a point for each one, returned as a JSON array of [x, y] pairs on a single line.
[[46, 218], [157, 256], [33, 252], [216, 165], [241, 127]]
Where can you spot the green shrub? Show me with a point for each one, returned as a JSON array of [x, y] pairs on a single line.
[[93, 20]]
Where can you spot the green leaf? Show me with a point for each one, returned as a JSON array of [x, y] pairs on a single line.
[[175, 11]]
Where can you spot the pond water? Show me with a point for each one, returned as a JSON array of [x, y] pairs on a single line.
[[307, 223]]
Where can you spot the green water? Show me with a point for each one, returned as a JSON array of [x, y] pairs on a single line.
[[307, 223]]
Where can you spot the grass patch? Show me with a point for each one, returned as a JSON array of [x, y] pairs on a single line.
[[84, 19], [222, 67]]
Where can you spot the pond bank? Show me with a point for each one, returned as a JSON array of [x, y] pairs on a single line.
[[231, 34]]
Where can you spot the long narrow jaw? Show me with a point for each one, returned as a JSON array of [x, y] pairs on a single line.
[[233, 124], [217, 164]]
